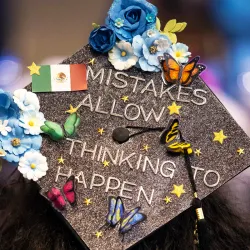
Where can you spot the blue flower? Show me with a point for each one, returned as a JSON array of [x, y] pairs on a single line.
[[102, 39], [148, 48], [8, 108], [179, 52], [122, 56], [151, 18], [119, 22], [136, 15], [16, 143]]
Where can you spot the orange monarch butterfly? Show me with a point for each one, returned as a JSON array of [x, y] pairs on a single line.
[[173, 72]]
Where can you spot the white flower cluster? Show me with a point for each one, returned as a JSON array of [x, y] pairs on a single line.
[[33, 165], [31, 119]]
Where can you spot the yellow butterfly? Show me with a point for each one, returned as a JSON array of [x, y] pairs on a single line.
[[171, 134]]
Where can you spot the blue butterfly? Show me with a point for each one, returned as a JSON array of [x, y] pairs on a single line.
[[117, 215]]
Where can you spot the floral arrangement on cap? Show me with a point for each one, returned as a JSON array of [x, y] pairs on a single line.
[[20, 140], [132, 36]]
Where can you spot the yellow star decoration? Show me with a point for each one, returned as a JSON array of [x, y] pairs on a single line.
[[2, 153], [34, 69], [71, 110], [105, 163], [197, 152], [124, 98], [241, 151], [87, 202], [60, 160], [174, 109], [178, 190], [146, 147], [220, 137], [100, 131], [167, 199], [98, 234], [92, 61]]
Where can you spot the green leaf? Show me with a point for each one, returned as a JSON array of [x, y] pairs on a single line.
[[71, 124], [177, 28], [170, 25], [95, 26], [53, 130], [184, 25], [158, 24]]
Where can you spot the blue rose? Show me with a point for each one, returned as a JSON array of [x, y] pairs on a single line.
[[131, 17], [102, 39], [16, 143], [148, 48], [8, 109]]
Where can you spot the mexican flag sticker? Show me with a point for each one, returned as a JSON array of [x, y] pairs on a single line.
[[60, 78]]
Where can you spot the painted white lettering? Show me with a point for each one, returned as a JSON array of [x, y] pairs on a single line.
[[110, 187], [99, 73], [94, 184], [142, 191], [124, 188]]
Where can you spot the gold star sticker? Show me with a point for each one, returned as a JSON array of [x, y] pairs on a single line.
[[2, 153], [220, 137], [98, 234], [197, 152], [100, 131], [167, 199], [178, 190], [146, 147], [241, 151], [105, 163], [92, 61], [174, 109], [71, 110], [124, 98], [87, 202], [60, 160], [34, 69]]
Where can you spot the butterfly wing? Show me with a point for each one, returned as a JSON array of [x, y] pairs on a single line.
[[180, 147], [71, 124], [131, 219], [196, 72], [115, 211], [69, 190], [170, 133], [53, 130], [55, 196], [191, 71], [170, 69]]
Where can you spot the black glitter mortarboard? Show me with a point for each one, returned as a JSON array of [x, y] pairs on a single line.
[[140, 170]]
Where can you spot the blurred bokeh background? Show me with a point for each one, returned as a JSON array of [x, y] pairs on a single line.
[[47, 32]]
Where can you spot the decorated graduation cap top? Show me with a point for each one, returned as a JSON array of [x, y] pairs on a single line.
[[118, 143]]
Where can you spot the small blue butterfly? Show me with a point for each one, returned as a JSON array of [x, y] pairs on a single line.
[[117, 215]]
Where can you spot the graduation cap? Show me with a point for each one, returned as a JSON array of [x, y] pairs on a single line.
[[138, 148], [119, 150]]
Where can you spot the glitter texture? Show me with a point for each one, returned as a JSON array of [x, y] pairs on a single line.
[[197, 124]]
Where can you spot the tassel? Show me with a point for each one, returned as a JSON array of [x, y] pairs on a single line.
[[202, 227]]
